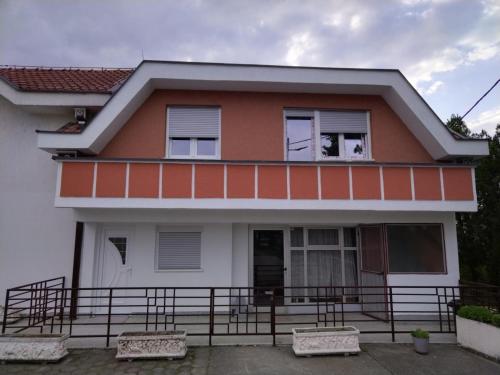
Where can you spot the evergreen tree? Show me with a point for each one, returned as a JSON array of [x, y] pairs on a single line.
[[479, 232]]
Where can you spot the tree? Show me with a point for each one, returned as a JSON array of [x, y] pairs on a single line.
[[479, 233], [458, 125]]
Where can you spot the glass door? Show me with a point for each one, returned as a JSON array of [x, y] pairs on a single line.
[[268, 265]]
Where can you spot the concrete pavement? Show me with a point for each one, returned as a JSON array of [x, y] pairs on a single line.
[[233, 360]]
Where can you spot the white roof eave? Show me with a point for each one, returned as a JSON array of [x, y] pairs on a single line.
[[151, 75]]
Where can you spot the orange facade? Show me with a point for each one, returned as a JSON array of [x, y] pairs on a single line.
[[111, 180], [303, 182], [272, 182], [366, 183], [335, 183], [252, 126], [202, 180], [77, 179], [144, 180], [427, 183], [240, 181], [209, 181], [397, 183], [177, 180], [457, 183]]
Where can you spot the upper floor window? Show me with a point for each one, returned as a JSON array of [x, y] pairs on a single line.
[[299, 138], [316, 135], [193, 132]]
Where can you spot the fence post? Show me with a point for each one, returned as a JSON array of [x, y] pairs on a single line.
[[393, 336], [273, 316], [211, 317], [108, 328], [6, 308]]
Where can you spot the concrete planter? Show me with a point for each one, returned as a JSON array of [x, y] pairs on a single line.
[[159, 344], [481, 337], [33, 347], [327, 340]]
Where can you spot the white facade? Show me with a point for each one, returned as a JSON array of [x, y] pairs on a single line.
[[36, 238], [226, 251], [37, 226]]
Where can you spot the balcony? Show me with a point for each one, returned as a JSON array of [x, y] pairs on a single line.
[[101, 183]]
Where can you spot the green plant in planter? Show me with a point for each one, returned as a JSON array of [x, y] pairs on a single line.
[[495, 320], [477, 313], [420, 334]]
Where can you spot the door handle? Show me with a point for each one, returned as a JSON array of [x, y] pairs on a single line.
[[284, 269]]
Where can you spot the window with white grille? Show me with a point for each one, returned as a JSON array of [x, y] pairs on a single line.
[[327, 134], [178, 251]]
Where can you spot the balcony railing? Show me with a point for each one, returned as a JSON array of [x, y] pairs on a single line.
[[222, 184], [46, 307]]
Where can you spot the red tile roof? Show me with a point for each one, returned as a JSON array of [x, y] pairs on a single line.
[[70, 80]]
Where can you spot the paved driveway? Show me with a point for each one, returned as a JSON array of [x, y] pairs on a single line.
[[375, 359]]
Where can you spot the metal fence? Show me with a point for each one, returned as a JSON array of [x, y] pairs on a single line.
[[49, 307]]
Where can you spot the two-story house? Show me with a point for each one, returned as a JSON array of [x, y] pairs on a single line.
[[229, 175]]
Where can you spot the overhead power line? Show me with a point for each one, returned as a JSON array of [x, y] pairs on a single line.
[[481, 98]]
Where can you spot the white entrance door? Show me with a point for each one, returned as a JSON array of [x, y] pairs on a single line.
[[114, 269]]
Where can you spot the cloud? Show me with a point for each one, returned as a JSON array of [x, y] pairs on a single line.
[[434, 87], [355, 22], [428, 40], [298, 46], [486, 120], [445, 61], [483, 53]]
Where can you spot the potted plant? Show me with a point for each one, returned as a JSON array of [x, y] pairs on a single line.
[[421, 341]]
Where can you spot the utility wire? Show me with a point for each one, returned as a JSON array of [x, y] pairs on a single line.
[[481, 98]]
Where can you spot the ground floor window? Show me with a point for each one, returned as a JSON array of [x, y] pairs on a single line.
[[321, 258], [415, 248]]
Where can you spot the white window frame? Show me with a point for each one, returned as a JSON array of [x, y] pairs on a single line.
[[174, 229], [342, 156], [192, 146], [306, 247], [316, 140], [193, 150]]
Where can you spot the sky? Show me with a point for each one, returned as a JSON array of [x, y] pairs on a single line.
[[448, 49]]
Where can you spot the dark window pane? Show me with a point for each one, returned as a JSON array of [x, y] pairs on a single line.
[[330, 144], [299, 138], [205, 146], [415, 248], [350, 237], [297, 237], [121, 245], [180, 146]]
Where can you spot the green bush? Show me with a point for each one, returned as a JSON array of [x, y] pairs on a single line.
[[420, 334], [495, 320], [477, 313]]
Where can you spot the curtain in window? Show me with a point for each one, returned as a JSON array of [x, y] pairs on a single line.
[[324, 269], [323, 237], [297, 263], [351, 272]]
